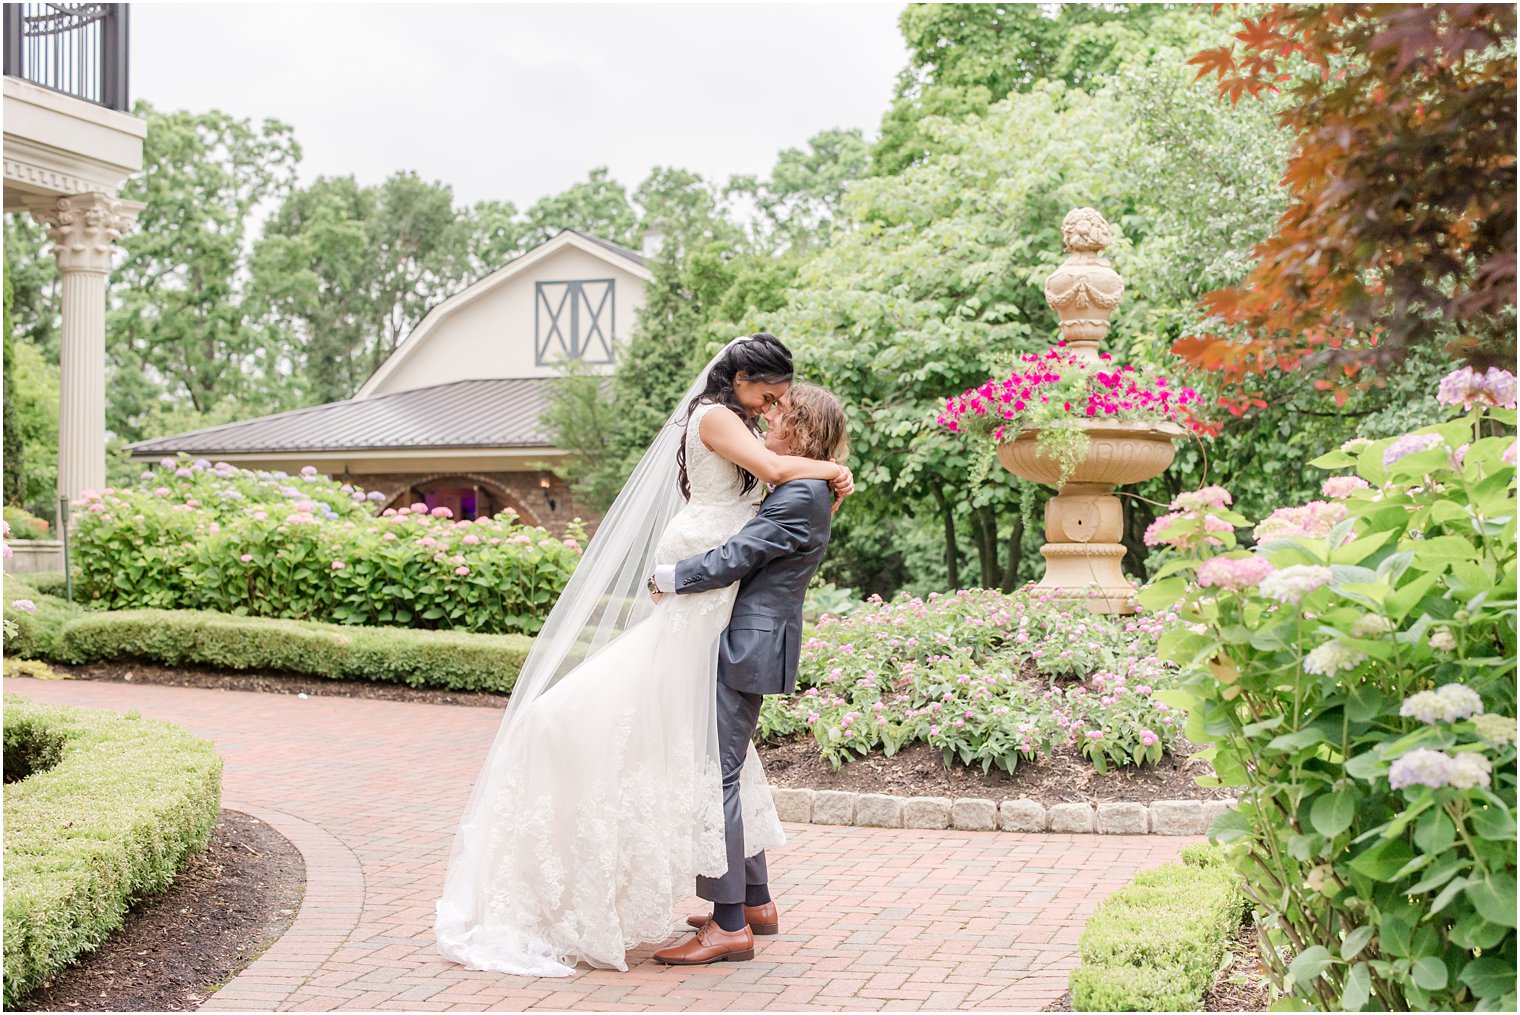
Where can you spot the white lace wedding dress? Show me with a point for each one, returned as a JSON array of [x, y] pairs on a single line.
[[606, 798]]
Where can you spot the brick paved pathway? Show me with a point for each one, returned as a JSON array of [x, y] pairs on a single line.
[[874, 919]]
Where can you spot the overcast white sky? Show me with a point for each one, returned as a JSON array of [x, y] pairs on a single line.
[[516, 101]]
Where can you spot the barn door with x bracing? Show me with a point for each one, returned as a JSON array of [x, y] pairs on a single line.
[[573, 320]]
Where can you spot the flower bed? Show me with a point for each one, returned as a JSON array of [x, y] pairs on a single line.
[[1355, 673], [989, 678], [214, 537], [111, 807]]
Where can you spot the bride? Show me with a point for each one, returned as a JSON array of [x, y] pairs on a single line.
[[601, 801]]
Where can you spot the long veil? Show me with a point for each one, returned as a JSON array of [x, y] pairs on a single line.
[[605, 597]]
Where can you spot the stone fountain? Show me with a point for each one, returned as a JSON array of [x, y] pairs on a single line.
[[1084, 522]]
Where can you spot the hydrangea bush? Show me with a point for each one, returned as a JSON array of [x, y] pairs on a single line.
[[1354, 674], [193, 535], [990, 678]]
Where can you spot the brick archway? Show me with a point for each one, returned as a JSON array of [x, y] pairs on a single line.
[[497, 497]]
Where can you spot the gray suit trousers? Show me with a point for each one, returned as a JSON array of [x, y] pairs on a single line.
[[738, 713]]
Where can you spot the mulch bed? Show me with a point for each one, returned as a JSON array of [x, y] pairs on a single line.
[[1240, 986], [230, 903], [916, 770], [1243, 984], [919, 770], [277, 683]]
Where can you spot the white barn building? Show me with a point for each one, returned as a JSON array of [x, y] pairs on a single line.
[[453, 417]]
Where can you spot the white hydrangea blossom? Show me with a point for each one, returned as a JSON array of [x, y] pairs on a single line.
[[1447, 703], [1443, 640], [1291, 584], [1469, 770], [1332, 657], [1421, 767], [1370, 625], [1498, 730]]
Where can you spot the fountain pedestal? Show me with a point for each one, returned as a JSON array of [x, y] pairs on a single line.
[[1084, 522]]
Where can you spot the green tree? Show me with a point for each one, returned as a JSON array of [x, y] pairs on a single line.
[[797, 204], [179, 317], [965, 57], [598, 206], [32, 272], [348, 271], [497, 234], [31, 411], [15, 450]]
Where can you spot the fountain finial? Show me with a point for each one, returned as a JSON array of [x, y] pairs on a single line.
[[1085, 290]]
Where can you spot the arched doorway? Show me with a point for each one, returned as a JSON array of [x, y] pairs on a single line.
[[465, 496]]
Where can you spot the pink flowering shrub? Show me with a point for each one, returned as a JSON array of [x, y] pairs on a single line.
[[989, 678], [1354, 677], [1056, 392], [193, 535]]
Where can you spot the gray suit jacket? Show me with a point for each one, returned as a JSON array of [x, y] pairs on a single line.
[[773, 558]]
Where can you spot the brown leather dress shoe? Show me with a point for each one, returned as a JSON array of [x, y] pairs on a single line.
[[761, 920], [709, 944]]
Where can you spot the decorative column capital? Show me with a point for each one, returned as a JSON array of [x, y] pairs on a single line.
[[84, 228], [1085, 290]]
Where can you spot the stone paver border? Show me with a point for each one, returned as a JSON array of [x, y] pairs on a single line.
[[980, 814]]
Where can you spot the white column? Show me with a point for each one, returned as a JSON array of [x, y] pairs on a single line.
[[83, 228]]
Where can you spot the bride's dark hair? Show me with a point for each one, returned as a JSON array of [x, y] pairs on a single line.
[[762, 359]]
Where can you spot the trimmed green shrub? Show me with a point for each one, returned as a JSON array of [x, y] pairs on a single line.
[[49, 583], [125, 804], [1157, 943], [451, 660], [31, 635]]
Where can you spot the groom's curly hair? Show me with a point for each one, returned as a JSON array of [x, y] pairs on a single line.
[[814, 422]]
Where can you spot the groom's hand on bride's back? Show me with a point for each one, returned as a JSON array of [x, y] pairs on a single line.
[[843, 485]]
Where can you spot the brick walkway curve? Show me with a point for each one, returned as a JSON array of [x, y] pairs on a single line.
[[369, 791]]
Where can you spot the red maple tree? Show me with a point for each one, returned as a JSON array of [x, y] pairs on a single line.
[[1401, 185]]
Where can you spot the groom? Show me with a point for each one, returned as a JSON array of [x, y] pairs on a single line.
[[773, 558]]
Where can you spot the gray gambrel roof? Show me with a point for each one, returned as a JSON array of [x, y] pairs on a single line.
[[463, 414], [616, 248]]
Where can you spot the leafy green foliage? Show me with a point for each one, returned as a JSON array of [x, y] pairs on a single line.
[[178, 293], [1156, 943], [124, 805], [1362, 697], [225, 539], [448, 660], [964, 58]]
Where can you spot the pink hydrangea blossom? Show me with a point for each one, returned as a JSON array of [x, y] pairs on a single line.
[[1341, 487], [246, 558], [1209, 496], [1234, 573], [1313, 520], [1469, 389], [338, 565], [1410, 444]]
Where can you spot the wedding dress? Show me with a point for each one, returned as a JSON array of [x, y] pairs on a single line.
[[602, 800]]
